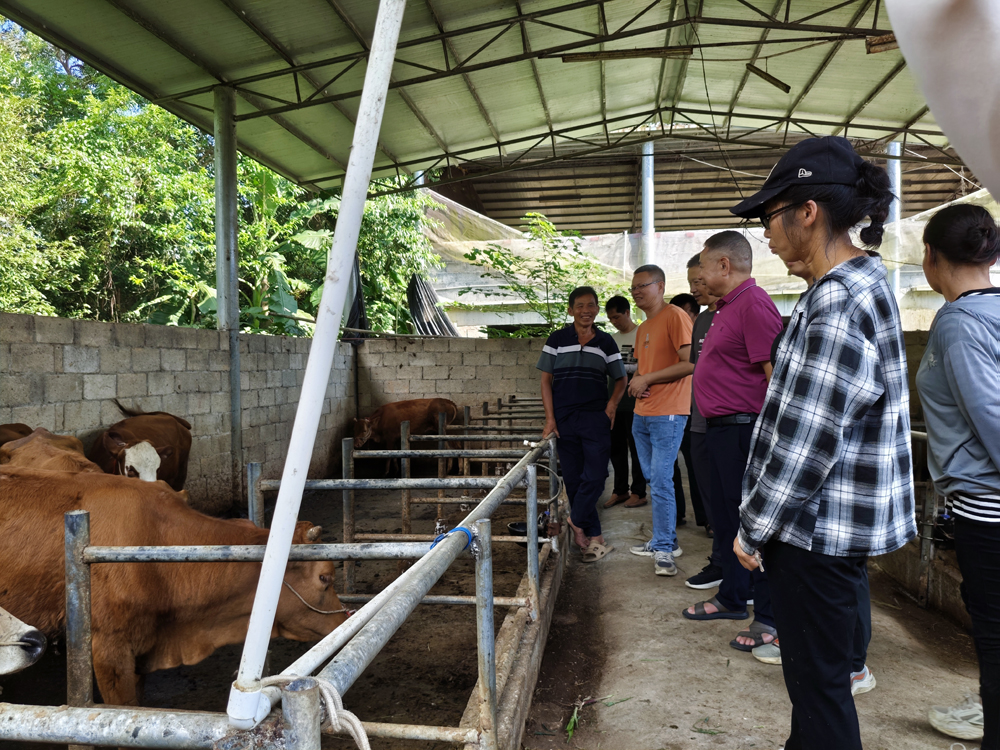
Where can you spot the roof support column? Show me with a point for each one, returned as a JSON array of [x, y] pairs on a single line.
[[894, 168], [248, 704], [648, 204], [227, 292]]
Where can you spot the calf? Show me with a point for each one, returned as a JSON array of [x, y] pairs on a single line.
[[146, 616], [20, 645], [43, 450], [382, 427], [150, 446]]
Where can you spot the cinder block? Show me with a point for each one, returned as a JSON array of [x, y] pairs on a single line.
[[173, 359], [145, 359], [248, 399], [63, 388], [258, 380], [275, 452], [116, 359], [130, 335], [292, 378], [18, 390], [5, 415], [461, 345], [161, 383], [110, 413], [435, 373], [161, 337], [96, 387], [274, 378], [199, 403], [244, 381], [17, 329], [503, 358], [448, 387], [93, 333], [218, 361], [282, 360], [197, 359], [149, 403], [396, 386], [131, 385], [529, 358], [35, 415], [273, 344], [460, 373], [488, 345], [176, 403], [83, 415], [220, 401], [256, 343], [513, 372], [34, 358], [528, 386], [266, 397], [81, 359], [475, 358], [53, 330]]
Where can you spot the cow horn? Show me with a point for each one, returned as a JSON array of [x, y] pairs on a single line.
[[313, 534]]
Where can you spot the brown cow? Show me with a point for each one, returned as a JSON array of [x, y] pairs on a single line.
[[43, 450], [150, 446], [382, 427], [146, 616], [14, 431]]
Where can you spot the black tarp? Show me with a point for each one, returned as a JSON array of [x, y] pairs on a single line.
[[425, 310]]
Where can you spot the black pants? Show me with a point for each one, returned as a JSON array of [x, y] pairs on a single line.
[[863, 629], [977, 546], [584, 445], [622, 443], [703, 470], [696, 500], [728, 448], [816, 610]]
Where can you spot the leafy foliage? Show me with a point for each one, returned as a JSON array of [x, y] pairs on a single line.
[[543, 277], [107, 206]]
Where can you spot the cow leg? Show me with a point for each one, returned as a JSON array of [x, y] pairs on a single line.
[[114, 668]]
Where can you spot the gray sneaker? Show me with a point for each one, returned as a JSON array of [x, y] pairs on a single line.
[[663, 564], [642, 550]]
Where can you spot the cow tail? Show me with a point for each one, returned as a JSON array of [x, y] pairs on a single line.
[[126, 411]]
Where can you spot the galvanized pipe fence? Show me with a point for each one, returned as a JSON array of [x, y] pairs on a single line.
[[352, 645]]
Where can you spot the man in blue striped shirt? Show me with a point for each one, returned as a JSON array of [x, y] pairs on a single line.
[[575, 363]]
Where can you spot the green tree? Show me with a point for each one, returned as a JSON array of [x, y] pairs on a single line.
[[544, 274]]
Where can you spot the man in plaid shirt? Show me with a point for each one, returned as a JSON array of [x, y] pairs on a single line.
[[829, 480]]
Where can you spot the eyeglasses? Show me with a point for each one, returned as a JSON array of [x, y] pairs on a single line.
[[636, 288], [766, 218]]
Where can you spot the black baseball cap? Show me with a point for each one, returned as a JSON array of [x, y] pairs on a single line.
[[815, 161]]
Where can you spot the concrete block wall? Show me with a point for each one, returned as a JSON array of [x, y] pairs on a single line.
[[467, 371], [64, 374]]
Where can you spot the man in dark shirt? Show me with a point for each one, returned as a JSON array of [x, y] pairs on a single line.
[[575, 363], [622, 443]]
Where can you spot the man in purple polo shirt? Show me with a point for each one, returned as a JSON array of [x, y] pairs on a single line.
[[729, 386]]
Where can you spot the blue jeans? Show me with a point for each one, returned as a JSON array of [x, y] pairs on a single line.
[[657, 439]]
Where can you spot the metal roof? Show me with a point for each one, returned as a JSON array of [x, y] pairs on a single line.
[[482, 80]]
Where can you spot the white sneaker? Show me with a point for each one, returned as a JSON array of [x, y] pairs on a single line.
[[677, 552], [663, 564], [642, 550], [862, 682], [964, 721]]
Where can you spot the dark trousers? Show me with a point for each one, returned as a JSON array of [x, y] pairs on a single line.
[[863, 630], [703, 470], [977, 546], [815, 601], [584, 445], [728, 448], [696, 500], [622, 444]]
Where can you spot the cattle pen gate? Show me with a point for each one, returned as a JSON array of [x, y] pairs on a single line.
[[499, 704]]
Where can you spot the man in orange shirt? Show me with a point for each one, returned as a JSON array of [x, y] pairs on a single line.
[[662, 388]]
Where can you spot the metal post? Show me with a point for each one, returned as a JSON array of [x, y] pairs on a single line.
[[531, 516], [246, 707], [255, 498], [893, 167], [440, 524], [347, 459], [466, 421], [79, 657], [301, 712], [648, 204], [227, 293], [404, 466], [486, 637]]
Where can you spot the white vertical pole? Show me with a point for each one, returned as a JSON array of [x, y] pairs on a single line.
[[894, 167], [227, 290], [246, 706], [648, 204]]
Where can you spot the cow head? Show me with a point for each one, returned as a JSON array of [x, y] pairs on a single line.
[[305, 619], [138, 459], [362, 431], [20, 645]]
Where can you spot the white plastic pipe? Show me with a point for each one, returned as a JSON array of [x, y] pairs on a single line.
[[894, 148], [246, 708]]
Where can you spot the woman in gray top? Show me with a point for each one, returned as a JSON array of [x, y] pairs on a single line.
[[959, 386]]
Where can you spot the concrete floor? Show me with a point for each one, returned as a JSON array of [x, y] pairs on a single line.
[[618, 635]]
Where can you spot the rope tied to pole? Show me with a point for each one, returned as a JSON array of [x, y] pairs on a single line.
[[336, 717], [315, 609]]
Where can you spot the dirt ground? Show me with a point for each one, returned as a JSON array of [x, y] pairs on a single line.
[[668, 683], [617, 635]]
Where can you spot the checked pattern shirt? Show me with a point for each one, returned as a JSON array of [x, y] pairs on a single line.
[[830, 467]]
